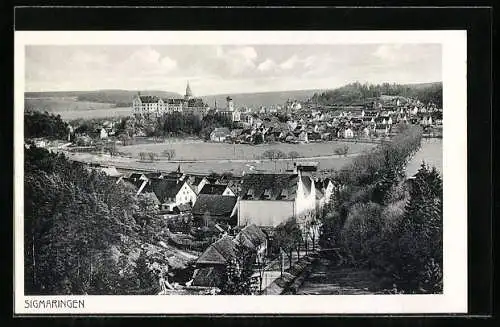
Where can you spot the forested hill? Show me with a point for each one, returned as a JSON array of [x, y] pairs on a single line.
[[103, 96], [258, 99], [357, 93]]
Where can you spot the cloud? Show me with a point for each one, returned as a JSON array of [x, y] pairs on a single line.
[[149, 61], [232, 62], [290, 62], [267, 65], [86, 58]]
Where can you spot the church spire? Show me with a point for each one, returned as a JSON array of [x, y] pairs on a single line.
[[189, 93]]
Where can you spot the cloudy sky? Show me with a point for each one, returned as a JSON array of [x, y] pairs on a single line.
[[213, 69]]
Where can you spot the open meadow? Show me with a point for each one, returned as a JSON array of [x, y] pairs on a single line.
[[198, 150]]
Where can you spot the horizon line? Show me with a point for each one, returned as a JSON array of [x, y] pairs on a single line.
[[217, 94]]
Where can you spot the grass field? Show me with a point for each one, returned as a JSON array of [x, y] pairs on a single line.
[[221, 151], [237, 168]]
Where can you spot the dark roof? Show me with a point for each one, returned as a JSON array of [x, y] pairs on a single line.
[[319, 191], [174, 101], [173, 174], [306, 181], [197, 102], [219, 252], [163, 188], [149, 99], [208, 276], [183, 207], [251, 237], [134, 181], [269, 186], [154, 175], [215, 205], [195, 180], [135, 176], [216, 189]]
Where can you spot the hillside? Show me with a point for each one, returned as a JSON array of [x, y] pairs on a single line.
[[121, 98], [357, 93], [261, 98]]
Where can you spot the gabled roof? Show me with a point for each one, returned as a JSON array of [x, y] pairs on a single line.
[[216, 189], [214, 205], [219, 252], [136, 182], [195, 180], [149, 99], [269, 186], [135, 176], [174, 101], [306, 182], [208, 276], [196, 102], [163, 188], [154, 175], [251, 237]]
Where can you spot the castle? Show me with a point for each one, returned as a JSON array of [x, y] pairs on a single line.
[[153, 106], [147, 105]]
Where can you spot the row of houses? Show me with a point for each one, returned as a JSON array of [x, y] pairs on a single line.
[[266, 199]]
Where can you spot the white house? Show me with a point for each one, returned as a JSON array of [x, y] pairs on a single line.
[[348, 133], [171, 192], [103, 134], [270, 199], [220, 134]]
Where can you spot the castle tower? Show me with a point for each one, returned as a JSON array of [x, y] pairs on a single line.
[[189, 93], [230, 104]]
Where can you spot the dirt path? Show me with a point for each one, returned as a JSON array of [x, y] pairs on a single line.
[[327, 279]]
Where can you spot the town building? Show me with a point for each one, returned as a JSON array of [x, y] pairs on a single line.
[[267, 200], [220, 134], [170, 192], [211, 209], [229, 111]]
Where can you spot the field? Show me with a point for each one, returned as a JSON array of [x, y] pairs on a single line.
[[197, 150], [70, 109], [205, 167]]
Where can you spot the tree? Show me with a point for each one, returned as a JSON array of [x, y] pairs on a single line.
[[169, 153], [43, 124], [293, 155], [288, 236], [238, 272], [152, 156], [419, 252]]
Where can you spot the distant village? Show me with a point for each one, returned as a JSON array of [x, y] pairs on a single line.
[[291, 122]]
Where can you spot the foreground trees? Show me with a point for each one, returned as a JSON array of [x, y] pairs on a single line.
[[386, 223], [81, 229], [43, 124]]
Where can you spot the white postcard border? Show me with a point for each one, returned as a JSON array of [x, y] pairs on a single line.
[[454, 297]]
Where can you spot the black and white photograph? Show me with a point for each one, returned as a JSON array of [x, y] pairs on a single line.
[[205, 164]]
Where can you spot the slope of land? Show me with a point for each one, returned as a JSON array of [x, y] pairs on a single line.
[[260, 98]]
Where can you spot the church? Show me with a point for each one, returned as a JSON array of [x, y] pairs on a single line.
[[229, 111], [153, 106]]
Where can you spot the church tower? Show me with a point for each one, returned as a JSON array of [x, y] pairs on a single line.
[[189, 93], [229, 104]]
